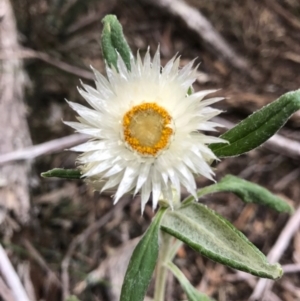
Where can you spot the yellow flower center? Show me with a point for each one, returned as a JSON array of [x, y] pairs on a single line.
[[147, 128]]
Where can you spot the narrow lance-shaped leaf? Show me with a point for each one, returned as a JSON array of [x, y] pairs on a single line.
[[192, 293], [214, 237], [113, 41], [142, 263], [258, 127], [247, 191], [62, 173]]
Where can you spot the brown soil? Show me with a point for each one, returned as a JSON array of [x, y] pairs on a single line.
[[265, 33]]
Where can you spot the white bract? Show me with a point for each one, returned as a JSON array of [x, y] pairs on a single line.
[[145, 130]]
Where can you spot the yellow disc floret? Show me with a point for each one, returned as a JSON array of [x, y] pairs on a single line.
[[147, 128]]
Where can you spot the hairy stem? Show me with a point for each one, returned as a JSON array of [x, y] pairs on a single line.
[[168, 250], [161, 270]]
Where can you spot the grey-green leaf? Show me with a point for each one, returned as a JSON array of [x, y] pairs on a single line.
[[190, 90], [258, 127], [142, 263], [191, 292], [73, 298], [113, 41], [216, 238], [62, 173], [247, 191]]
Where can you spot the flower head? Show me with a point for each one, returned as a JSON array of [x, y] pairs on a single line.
[[145, 130]]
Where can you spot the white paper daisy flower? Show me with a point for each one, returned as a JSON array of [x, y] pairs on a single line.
[[146, 130]]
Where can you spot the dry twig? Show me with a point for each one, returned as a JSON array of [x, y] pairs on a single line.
[[291, 268], [52, 278], [198, 23], [285, 14], [80, 239], [14, 195], [285, 146], [5, 292], [265, 285], [104, 8], [11, 277], [24, 274], [43, 148], [31, 54], [112, 269]]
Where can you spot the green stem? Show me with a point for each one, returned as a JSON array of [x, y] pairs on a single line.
[[161, 270], [168, 250], [174, 249]]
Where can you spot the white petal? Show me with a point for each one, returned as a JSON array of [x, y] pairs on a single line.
[[90, 90], [147, 62], [126, 183], [210, 101], [166, 70], [186, 178], [198, 96], [90, 146], [90, 131], [122, 67], [94, 101], [101, 80], [210, 139], [186, 70], [97, 169], [174, 179], [156, 63], [139, 64], [76, 125], [143, 175], [156, 187], [92, 116], [113, 181], [168, 194], [116, 168], [207, 126], [146, 190], [95, 156]]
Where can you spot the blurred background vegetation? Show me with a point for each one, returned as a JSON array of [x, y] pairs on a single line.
[[70, 240]]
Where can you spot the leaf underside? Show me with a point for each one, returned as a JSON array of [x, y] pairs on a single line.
[[216, 238]]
